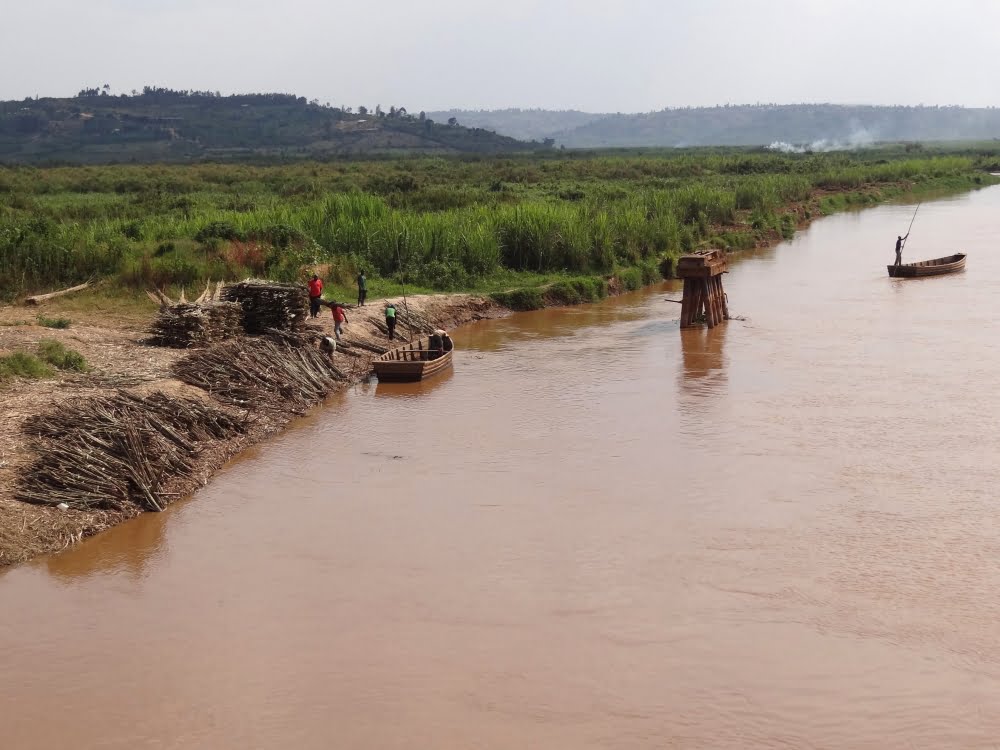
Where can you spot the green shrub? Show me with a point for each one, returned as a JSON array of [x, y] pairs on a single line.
[[60, 357], [520, 299], [667, 267], [54, 322], [788, 226], [631, 279], [23, 365], [222, 230]]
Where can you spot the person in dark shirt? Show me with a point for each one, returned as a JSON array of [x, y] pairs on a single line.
[[435, 345], [362, 288], [899, 248], [448, 344]]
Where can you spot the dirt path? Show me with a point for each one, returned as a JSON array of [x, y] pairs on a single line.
[[110, 338]]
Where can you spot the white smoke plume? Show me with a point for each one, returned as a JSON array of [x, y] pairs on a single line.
[[860, 137]]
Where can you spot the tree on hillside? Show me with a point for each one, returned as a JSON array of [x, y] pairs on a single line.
[[362, 110], [453, 121]]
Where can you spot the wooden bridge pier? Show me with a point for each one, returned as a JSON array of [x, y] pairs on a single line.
[[703, 292]]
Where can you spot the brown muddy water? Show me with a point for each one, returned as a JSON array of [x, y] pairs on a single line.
[[597, 532]]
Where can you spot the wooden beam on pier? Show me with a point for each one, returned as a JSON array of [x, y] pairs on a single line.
[[704, 297]]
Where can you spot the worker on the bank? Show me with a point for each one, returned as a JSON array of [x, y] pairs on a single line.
[[446, 341], [390, 320], [339, 318], [899, 248], [328, 345], [362, 288], [315, 295], [435, 345]]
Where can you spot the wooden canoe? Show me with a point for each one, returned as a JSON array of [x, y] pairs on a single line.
[[934, 267], [410, 363]]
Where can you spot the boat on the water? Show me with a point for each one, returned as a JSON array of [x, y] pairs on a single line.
[[935, 267], [410, 363]]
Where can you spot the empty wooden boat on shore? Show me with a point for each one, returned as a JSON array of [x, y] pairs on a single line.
[[410, 363], [935, 267]]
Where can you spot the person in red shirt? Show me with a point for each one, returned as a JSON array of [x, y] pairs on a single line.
[[339, 318], [315, 295]]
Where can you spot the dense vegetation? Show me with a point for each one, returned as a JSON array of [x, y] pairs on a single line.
[[444, 223], [819, 126], [158, 125]]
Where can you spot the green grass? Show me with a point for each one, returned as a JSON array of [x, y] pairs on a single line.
[[433, 224], [23, 365], [54, 322], [60, 357]]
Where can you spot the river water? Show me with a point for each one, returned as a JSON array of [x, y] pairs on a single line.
[[597, 532]]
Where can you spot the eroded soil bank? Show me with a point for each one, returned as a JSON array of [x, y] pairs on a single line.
[[113, 346]]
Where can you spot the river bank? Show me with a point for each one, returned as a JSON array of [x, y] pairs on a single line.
[[113, 348], [110, 335]]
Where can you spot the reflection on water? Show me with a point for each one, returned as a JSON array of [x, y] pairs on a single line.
[[135, 545], [701, 349], [596, 531], [415, 390], [702, 381]]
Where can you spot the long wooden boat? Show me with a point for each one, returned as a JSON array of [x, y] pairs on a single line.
[[934, 267], [410, 363]]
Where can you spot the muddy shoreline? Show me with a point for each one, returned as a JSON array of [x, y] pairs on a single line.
[[120, 360]]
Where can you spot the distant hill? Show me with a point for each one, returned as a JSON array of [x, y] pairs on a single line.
[[789, 127], [526, 124], [166, 125]]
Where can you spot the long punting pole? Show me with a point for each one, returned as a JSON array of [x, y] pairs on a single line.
[[911, 223]]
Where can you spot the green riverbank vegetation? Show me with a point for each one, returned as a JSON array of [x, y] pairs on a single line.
[[39, 364], [559, 224]]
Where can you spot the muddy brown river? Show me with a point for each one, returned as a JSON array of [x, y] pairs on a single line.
[[597, 532]]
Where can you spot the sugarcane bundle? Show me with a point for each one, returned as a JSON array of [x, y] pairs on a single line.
[[266, 373], [188, 324], [269, 304], [118, 452]]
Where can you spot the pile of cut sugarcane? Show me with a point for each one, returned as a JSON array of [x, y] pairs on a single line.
[[280, 371], [185, 324], [269, 304], [117, 452]]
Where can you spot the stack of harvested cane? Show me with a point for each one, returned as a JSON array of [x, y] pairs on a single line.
[[117, 452], [187, 324], [269, 304], [281, 371]]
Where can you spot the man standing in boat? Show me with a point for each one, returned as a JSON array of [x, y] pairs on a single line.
[[899, 248]]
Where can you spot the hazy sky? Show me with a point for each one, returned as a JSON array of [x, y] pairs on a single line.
[[629, 55]]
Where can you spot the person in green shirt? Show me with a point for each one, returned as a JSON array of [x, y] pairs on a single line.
[[390, 320], [362, 288]]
